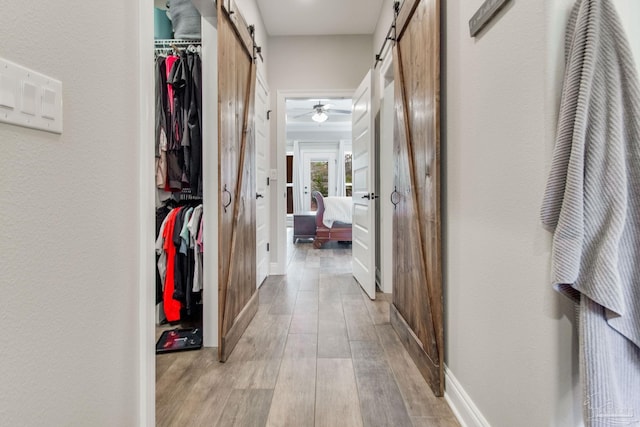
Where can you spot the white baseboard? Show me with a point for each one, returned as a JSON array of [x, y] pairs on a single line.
[[461, 404], [275, 269]]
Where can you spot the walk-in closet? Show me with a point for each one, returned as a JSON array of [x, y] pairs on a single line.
[[205, 179], [180, 182]]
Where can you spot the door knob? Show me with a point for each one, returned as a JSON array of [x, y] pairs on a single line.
[[367, 196], [259, 196]]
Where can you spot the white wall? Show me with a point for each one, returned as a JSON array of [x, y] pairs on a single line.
[[309, 64], [69, 209], [318, 62], [510, 340]]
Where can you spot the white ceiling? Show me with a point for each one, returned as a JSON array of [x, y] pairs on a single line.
[[300, 126], [319, 17]]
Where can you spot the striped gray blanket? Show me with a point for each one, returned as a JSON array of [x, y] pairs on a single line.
[[592, 206]]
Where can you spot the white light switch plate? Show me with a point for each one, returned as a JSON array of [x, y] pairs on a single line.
[[29, 98], [7, 92]]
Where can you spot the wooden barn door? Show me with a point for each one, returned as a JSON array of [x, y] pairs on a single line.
[[417, 291], [238, 299]]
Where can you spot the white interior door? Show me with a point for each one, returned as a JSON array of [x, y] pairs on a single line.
[[319, 170], [262, 193], [363, 178]]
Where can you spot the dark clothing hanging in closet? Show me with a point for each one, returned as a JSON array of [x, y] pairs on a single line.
[[174, 152], [194, 122], [171, 305], [178, 151], [161, 214], [180, 260], [177, 240], [184, 122]]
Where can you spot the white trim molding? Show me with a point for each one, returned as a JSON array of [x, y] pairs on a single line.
[[461, 404], [146, 228]]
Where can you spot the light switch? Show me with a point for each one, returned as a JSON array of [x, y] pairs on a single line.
[[48, 104], [28, 98], [7, 92]]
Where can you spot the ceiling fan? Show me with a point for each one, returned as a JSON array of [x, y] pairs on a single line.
[[320, 112]]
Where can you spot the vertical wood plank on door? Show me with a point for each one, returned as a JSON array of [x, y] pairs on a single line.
[[337, 402], [417, 292], [236, 197]]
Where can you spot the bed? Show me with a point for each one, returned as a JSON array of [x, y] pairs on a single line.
[[333, 219]]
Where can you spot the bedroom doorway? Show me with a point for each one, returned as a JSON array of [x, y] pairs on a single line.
[[296, 127], [316, 137]]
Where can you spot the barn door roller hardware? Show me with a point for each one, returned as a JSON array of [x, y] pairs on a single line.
[[257, 50], [391, 34]]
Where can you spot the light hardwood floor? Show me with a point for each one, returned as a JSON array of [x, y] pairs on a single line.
[[319, 352]]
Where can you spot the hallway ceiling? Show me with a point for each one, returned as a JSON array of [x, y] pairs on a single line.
[[319, 17], [300, 126]]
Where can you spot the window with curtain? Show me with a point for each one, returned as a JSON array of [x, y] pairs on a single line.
[[347, 173]]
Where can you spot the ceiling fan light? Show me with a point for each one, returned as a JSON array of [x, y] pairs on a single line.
[[319, 117]]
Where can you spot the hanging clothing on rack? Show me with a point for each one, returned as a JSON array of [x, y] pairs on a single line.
[[194, 227], [161, 121], [178, 152], [171, 305], [178, 260], [194, 124], [182, 101], [174, 172]]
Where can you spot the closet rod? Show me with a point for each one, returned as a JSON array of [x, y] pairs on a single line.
[[177, 42]]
